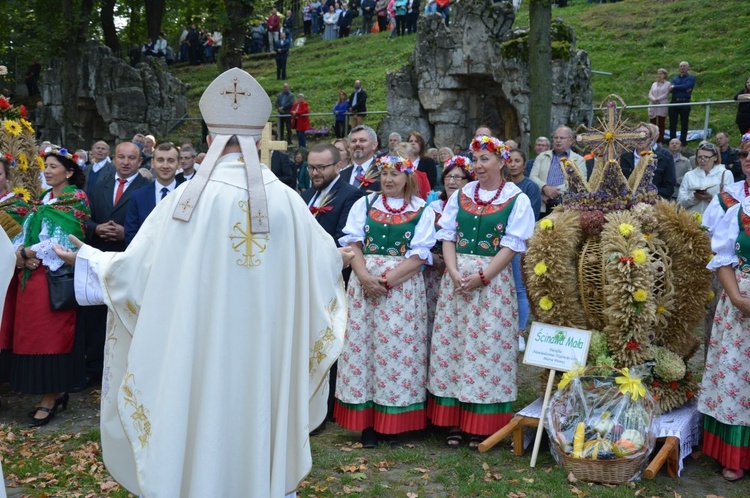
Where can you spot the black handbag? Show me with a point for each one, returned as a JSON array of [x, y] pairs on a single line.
[[62, 293]]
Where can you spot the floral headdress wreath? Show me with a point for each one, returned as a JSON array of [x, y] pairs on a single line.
[[461, 162], [396, 162], [746, 137], [59, 151], [490, 144]]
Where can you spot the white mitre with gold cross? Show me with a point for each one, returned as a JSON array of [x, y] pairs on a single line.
[[233, 104]]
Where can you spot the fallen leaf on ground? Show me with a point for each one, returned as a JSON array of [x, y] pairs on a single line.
[[527, 480], [639, 491], [360, 476], [485, 466], [419, 469], [516, 494], [578, 492], [548, 470], [572, 479], [411, 495], [513, 481]]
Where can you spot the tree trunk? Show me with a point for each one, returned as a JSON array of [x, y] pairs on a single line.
[[238, 12], [77, 29], [540, 74], [108, 26], [154, 16]]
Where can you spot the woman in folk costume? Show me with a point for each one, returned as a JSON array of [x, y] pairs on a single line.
[[725, 392], [473, 355], [457, 172], [47, 351], [382, 372]]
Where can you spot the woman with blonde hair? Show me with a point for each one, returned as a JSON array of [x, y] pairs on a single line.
[[342, 144], [473, 360], [382, 372], [659, 94]]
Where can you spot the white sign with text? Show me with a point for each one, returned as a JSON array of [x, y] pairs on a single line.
[[556, 348]]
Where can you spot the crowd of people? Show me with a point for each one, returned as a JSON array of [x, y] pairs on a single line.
[[436, 301]]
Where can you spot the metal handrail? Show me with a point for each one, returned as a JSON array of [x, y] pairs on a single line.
[[707, 103]]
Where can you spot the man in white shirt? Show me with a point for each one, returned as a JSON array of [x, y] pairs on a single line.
[[187, 163], [100, 166], [143, 201]]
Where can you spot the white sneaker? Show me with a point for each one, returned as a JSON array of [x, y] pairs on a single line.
[[521, 344]]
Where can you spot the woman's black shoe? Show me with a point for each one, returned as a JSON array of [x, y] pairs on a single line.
[[38, 422], [61, 401], [369, 438]]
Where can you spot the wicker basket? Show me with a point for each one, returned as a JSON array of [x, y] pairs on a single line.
[[613, 471], [616, 471]]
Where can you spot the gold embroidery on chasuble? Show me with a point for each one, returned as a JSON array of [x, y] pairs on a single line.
[[322, 345], [140, 414], [245, 242]]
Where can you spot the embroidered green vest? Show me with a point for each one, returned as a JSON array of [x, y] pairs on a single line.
[[389, 234], [742, 245], [480, 228]]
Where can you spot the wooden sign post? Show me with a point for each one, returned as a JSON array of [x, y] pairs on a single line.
[[559, 349], [267, 145]]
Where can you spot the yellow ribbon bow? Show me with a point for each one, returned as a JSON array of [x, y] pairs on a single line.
[[630, 385], [577, 371]]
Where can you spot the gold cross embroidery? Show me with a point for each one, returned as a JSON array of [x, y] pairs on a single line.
[[614, 136], [246, 240], [234, 93], [186, 205]]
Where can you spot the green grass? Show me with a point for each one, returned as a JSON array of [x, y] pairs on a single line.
[[629, 39], [634, 38], [319, 70]]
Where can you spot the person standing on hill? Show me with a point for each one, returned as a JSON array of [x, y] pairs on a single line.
[[284, 103], [282, 54], [358, 104], [682, 92]]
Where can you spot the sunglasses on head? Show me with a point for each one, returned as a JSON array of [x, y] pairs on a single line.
[[707, 146]]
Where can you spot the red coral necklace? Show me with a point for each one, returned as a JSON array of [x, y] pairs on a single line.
[[393, 210], [480, 202]]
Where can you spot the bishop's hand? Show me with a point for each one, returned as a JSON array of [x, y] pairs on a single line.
[[68, 256]]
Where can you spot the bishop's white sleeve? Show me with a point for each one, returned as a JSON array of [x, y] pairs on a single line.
[[87, 286], [424, 236], [723, 240], [447, 221], [354, 231], [520, 225]]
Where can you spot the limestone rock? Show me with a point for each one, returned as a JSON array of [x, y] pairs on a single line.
[[115, 101], [476, 72]]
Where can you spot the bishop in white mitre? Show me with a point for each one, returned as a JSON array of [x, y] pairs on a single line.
[[216, 361]]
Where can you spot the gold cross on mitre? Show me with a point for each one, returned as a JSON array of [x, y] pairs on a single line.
[[267, 145], [614, 136], [235, 92]]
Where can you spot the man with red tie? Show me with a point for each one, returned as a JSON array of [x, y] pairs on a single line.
[[109, 199]]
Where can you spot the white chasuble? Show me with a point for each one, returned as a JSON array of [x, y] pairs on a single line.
[[7, 264], [218, 344]]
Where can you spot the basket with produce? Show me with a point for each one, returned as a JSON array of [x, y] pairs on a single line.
[[600, 426]]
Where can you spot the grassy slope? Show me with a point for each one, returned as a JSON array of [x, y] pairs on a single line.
[[630, 39], [633, 38], [319, 70]]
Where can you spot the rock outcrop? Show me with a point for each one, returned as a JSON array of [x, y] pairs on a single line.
[[115, 100], [476, 72]]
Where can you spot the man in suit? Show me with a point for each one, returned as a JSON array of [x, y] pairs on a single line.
[[547, 171], [330, 197], [187, 163], [281, 166], [363, 173], [329, 200], [109, 200], [144, 200], [345, 21], [100, 166], [664, 176], [357, 105]]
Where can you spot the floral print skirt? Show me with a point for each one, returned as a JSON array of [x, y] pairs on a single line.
[[725, 392], [382, 371], [473, 365]]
